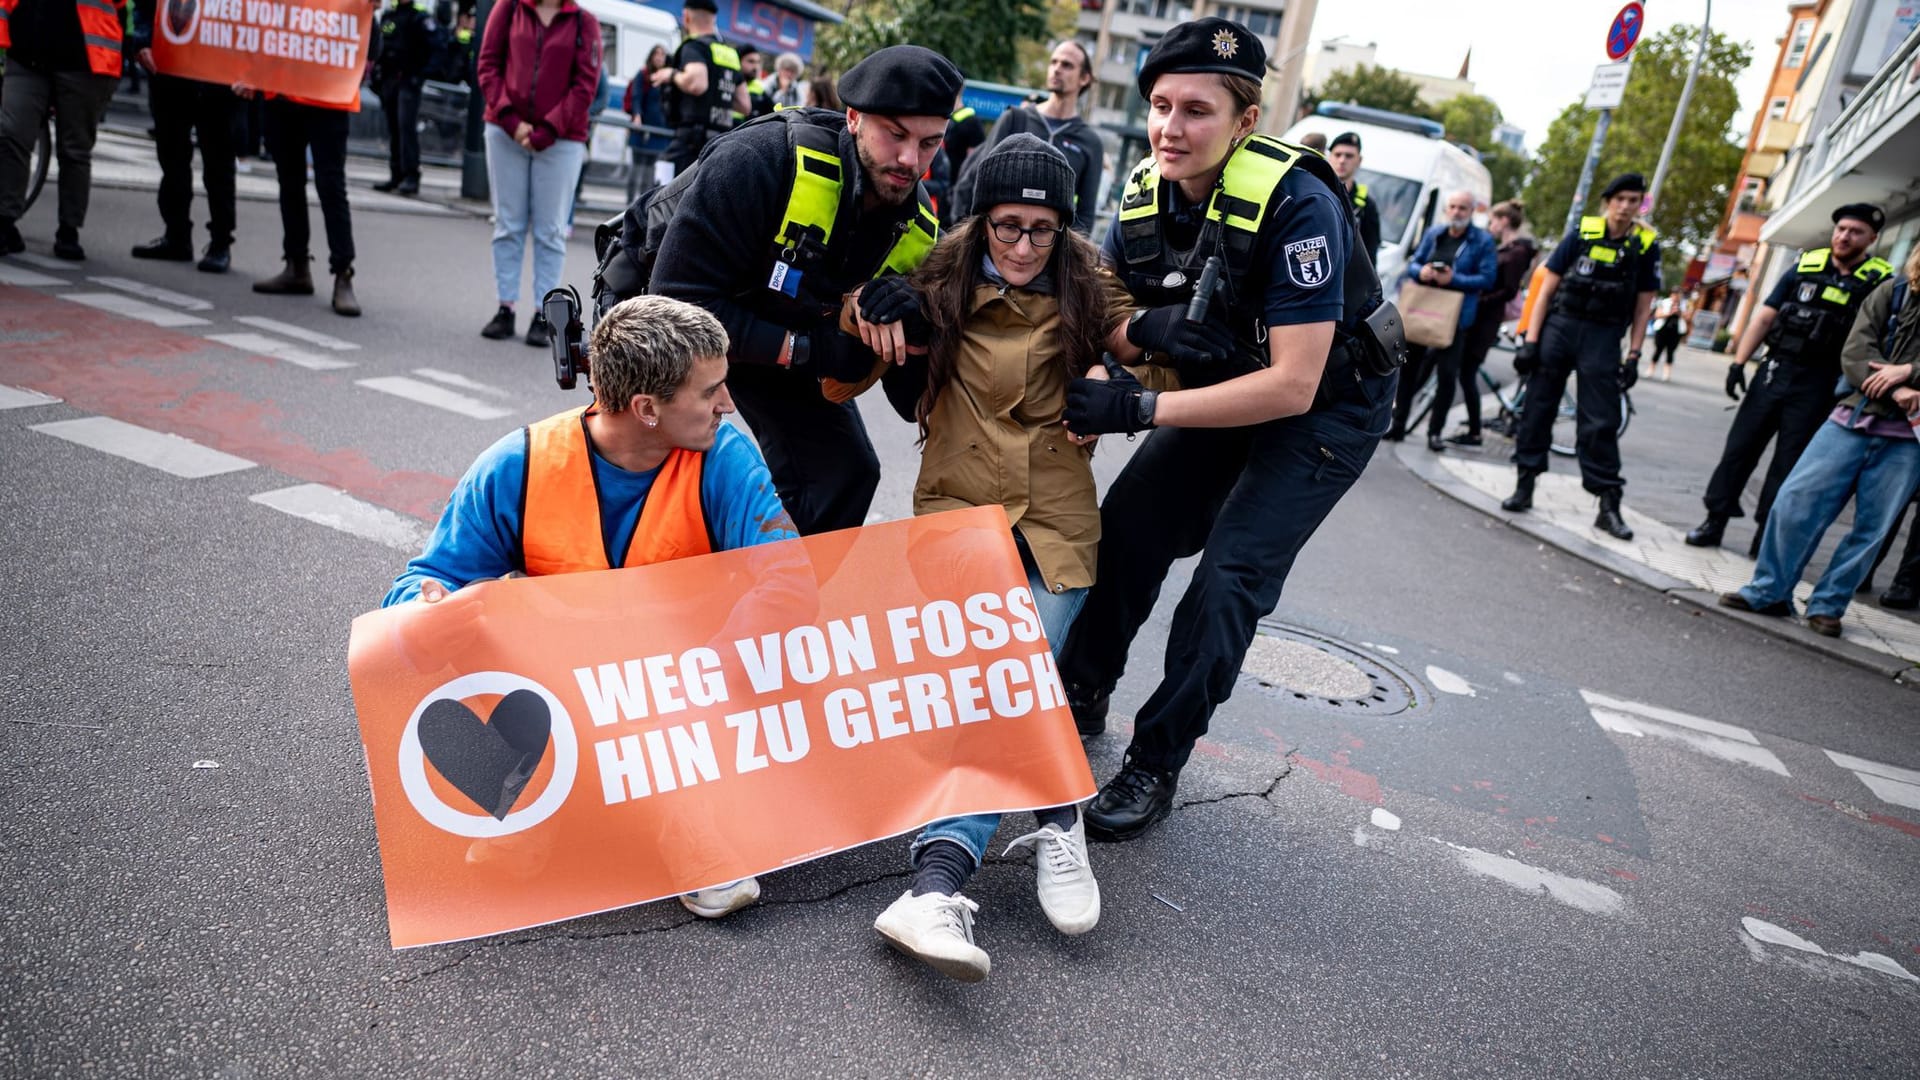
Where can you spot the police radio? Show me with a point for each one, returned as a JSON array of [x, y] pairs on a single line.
[[1203, 292], [561, 307]]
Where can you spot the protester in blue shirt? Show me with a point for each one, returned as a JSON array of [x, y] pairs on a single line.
[[1459, 255]]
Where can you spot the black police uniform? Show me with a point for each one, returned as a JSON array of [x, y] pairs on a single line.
[[1246, 499], [965, 133], [1367, 210], [410, 42], [1792, 393], [1601, 280], [698, 118]]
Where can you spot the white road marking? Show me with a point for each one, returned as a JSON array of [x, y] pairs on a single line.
[[1512, 678], [1891, 783], [337, 510], [1874, 768], [1710, 737], [1588, 896], [1384, 818], [263, 345], [134, 309], [20, 275], [298, 333], [155, 449], [436, 396], [1763, 931], [44, 262], [1448, 683], [12, 397], [154, 292], [461, 382]]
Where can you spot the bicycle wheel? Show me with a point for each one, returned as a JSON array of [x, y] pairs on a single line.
[[37, 163], [1566, 425], [1626, 412], [1422, 401]]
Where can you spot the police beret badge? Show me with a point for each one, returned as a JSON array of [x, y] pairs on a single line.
[[1225, 44]]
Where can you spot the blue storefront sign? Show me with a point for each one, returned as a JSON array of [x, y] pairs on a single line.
[[775, 26]]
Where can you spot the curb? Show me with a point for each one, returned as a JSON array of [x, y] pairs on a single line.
[[1427, 467]]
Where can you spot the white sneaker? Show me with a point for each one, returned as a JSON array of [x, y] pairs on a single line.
[[1062, 876], [722, 900], [937, 929]]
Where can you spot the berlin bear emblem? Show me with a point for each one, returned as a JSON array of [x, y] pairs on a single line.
[[1307, 262]]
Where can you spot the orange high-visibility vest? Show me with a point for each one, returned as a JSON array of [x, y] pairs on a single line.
[[1533, 293], [99, 24], [560, 529]]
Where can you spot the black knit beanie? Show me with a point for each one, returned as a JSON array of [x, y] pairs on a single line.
[[1024, 169]]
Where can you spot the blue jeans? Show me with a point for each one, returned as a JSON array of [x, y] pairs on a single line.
[[1057, 612], [532, 193], [1878, 473]]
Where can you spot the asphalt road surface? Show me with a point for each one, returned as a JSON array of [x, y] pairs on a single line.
[[1566, 827]]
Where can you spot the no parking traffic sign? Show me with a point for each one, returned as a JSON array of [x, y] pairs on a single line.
[[1624, 34]]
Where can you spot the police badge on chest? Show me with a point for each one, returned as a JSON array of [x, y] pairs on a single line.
[[1807, 289], [1584, 267], [1308, 263]]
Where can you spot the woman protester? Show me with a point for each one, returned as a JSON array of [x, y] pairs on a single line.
[[1672, 313], [1513, 259], [539, 73], [647, 103], [1286, 388], [979, 347]]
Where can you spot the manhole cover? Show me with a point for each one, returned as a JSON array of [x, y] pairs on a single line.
[[1327, 674]]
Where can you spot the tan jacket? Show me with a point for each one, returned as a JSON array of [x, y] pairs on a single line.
[[1865, 346], [995, 436]]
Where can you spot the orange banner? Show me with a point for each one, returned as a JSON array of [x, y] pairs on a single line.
[[545, 748], [314, 50]]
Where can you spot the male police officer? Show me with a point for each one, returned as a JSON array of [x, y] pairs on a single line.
[[1344, 152], [1803, 323], [410, 41], [1600, 283], [775, 225], [707, 85]]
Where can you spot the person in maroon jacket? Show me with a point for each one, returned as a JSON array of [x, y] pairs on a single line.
[[1514, 261], [539, 69]]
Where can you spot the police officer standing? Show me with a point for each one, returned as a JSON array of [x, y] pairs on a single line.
[[1284, 394], [1599, 284], [410, 42], [770, 231], [1344, 152], [1803, 324], [707, 86]]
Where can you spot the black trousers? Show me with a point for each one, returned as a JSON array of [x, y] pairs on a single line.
[[1480, 341], [1785, 403], [186, 112], [1666, 341], [292, 130], [1447, 375], [400, 101], [1413, 375], [1590, 350], [822, 462], [1247, 499], [1908, 574]]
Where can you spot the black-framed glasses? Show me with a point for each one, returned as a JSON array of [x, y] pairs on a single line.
[[1041, 236]]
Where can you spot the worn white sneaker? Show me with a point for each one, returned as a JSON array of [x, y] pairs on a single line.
[[938, 929], [1062, 875], [722, 900]]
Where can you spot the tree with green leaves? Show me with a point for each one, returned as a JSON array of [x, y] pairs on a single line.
[[981, 36], [1705, 160], [1509, 170], [1470, 119], [1375, 87]]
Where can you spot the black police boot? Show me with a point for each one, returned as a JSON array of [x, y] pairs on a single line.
[[1609, 520], [1708, 533], [166, 248], [539, 334], [1436, 444], [11, 242], [1522, 498], [1131, 802], [1901, 596], [218, 258], [66, 245], [385, 187], [409, 186], [1089, 712]]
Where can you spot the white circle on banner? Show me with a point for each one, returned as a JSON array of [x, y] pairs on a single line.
[[413, 760], [178, 19]]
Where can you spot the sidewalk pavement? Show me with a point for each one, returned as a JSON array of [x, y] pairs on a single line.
[[1669, 451]]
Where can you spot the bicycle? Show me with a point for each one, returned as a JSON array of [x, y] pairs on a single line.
[[38, 158], [1507, 420]]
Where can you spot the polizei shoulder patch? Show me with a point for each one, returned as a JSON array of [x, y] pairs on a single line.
[[1307, 262]]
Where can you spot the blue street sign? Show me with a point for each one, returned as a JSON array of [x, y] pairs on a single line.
[[1624, 34]]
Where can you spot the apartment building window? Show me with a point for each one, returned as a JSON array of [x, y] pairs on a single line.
[[1777, 109], [1797, 44], [1263, 23]]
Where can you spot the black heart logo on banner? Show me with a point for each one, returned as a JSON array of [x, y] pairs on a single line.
[[490, 761]]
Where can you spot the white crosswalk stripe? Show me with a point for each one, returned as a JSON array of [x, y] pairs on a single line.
[[13, 397], [337, 510], [20, 275], [154, 449], [121, 304], [154, 292], [44, 262], [263, 345], [438, 397], [1710, 737], [460, 381], [1891, 783], [298, 333]]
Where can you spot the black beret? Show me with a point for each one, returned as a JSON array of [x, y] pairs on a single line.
[[1631, 181], [701, 5], [902, 80], [1210, 44], [1866, 213], [1346, 138]]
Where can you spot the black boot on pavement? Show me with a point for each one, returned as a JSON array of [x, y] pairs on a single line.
[[1609, 520], [1900, 596], [66, 245], [409, 186], [344, 302], [218, 258], [500, 327], [1089, 712], [1436, 444], [1465, 438], [537, 333], [1522, 498], [11, 241], [1708, 533], [295, 280], [166, 249], [385, 187], [1130, 803]]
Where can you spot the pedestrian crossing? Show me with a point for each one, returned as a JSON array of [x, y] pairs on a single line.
[[154, 449]]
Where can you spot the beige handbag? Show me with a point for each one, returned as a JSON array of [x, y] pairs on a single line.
[[1432, 315]]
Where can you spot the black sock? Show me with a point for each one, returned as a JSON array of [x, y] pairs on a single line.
[[941, 867], [1061, 817]]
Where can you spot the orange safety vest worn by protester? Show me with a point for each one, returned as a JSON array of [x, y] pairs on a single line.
[[560, 521], [99, 25]]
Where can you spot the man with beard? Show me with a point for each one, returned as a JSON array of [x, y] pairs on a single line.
[[769, 231], [1056, 121]]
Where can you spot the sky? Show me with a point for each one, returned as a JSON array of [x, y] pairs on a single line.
[[1533, 58]]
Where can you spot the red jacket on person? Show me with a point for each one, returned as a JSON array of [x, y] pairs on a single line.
[[541, 75]]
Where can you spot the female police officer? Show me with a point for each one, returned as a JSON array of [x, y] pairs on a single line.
[[1285, 396]]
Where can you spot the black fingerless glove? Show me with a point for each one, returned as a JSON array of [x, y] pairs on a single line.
[[892, 299], [1105, 406], [1630, 371], [1166, 330], [1736, 381]]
